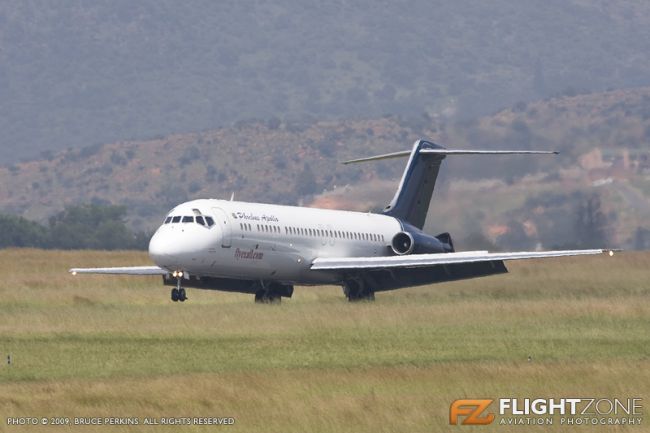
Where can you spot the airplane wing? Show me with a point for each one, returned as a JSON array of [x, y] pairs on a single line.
[[133, 270], [426, 260]]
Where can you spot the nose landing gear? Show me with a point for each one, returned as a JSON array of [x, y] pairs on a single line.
[[178, 293]]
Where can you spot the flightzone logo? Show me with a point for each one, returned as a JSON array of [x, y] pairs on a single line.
[[547, 411], [472, 411]]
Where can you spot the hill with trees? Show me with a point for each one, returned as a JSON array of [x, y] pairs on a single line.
[[601, 176]]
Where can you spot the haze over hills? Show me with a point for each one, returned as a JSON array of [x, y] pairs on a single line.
[[602, 173], [75, 74]]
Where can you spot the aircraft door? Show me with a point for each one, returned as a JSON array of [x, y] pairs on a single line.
[[224, 223]]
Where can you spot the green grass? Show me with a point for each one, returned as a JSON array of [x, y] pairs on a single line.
[[102, 346]]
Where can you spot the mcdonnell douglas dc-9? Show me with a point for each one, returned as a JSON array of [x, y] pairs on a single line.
[[265, 249]]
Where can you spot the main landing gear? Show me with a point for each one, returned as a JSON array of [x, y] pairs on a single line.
[[272, 292], [178, 293], [358, 290], [265, 297]]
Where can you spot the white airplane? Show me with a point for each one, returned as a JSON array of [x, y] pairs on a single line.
[[266, 249]]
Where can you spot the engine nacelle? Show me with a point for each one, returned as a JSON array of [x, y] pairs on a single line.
[[402, 243], [417, 242]]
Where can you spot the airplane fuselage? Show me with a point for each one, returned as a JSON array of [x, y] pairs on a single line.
[[238, 240]]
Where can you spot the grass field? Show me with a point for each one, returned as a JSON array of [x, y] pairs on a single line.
[[117, 347]]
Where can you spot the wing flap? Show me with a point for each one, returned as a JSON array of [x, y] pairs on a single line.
[[423, 260], [129, 270]]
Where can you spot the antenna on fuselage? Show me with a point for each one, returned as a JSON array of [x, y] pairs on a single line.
[[232, 196]]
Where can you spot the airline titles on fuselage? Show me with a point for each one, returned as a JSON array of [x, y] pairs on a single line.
[[250, 254], [252, 217]]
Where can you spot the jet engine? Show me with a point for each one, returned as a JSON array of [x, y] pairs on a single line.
[[417, 242]]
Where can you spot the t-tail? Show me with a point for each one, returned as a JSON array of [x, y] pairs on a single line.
[[411, 201]]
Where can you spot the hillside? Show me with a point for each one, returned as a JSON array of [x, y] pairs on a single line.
[[74, 74], [603, 139], [268, 162]]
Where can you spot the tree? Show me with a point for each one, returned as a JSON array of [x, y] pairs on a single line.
[[641, 238], [306, 182], [17, 231], [91, 227], [591, 224]]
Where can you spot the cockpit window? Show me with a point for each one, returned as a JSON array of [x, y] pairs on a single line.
[[200, 220], [188, 219], [210, 221], [176, 219], [168, 220]]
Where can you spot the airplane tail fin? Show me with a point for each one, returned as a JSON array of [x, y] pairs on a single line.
[[411, 201]]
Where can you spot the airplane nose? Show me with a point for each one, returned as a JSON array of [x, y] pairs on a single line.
[[159, 249]]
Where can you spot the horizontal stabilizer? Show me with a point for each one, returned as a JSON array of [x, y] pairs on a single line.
[[446, 152]]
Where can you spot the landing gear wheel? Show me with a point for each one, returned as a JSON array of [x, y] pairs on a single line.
[[182, 296], [356, 291], [260, 297], [266, 297], [175, 295]]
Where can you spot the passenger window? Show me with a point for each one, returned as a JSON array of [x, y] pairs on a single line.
[[210, 221], [176, 219], [188, 219], [168, 220], [200, 220]]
